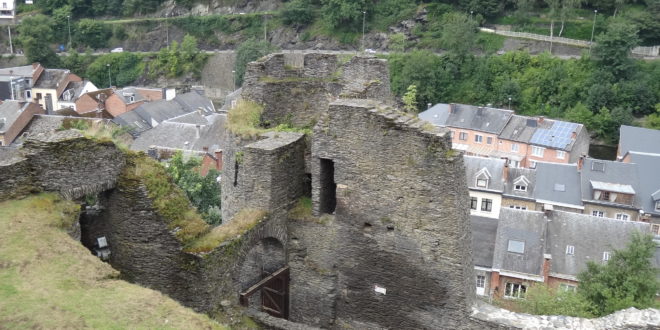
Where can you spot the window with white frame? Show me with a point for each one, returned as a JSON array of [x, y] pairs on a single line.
[[481, 281], [514, 147], [489, 140], [657, 205], [606, 256], [463, 136], [560, 154], [570, 250], [486, 204], [598, 213], [451, 134], [567, 287], [622, 216], [532, 164], [516, 246], [515, 290], [483, 183], [655, 229], [537, 151], [478, 138], [520, 187], [518, 207]]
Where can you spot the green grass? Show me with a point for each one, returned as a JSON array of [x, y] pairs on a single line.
[[244, 119], [243, 221], [50, 281], [490, 42]]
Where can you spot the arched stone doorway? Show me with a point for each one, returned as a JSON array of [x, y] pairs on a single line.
[[264, 278]]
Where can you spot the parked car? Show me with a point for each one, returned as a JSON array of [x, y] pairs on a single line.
[[117, 50], [370, 51]]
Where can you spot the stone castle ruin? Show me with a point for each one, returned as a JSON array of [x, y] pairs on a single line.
[[385, 243]]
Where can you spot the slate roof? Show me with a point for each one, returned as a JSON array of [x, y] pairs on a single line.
[[235, 95], [184, 136], [489, 120], [590, 236], [525, 226], [18, 71], [648, 166], [484, 232], [151, 114], [125, 93], [77, 87], [612, 173], [9, 111], [476, 165], [50, 78], [520, 175], [520, 128], [558, 183], [639, 139]]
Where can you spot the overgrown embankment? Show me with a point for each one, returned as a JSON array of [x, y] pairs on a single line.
[[48, 280]]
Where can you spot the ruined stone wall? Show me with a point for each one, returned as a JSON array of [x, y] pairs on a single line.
[[64, 162], [296, 88], [266, 174], [400, 223]]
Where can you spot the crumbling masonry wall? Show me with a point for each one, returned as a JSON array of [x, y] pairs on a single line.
[[297, 88], [400, 224], [266, 174]]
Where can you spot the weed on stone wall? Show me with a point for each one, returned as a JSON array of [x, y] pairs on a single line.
[[244, 119], [243, 221]]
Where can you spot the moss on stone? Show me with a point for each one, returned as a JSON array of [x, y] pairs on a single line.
[[242, 222]]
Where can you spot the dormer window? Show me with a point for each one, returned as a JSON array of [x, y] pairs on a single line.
[[657, 205], [482, 178], [483, 183], [598, 166], [521, 183]]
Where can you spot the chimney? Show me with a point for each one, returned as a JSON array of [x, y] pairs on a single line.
[[573, 135], [505, 171], [541, 119], [197, 131], [428, 106], [152, 152], [546, 267], [580, 162], [218, 157], [451, 107], [206, 149]]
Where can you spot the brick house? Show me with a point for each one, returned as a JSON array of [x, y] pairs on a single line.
[[498, 133], [524, 248], [128, 98], [14, 116]]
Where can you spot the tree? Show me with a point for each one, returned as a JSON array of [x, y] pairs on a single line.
[[35, 36], [613, 47], [410, 99], [202, 191], [458, 33], [250, 50], [92, 33], [542, 300], [61, 24], [567, 10], [123, 69], [397, 42], [488, 8], [346, 14], [628, 279], [555, 7], [653, 120], [297, 12]]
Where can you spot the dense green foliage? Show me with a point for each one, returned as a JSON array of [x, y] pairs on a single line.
[[35, 36], [175, 60], [249, 51], [628, 279], [203, 191], [204, 27], [297, 12], [120, 68], [577, 90], [92, 33]]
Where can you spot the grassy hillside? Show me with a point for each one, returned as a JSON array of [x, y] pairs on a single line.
[[50, 281]]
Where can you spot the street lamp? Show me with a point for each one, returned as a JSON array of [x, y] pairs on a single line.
[[509, 102], [109, 77], [593, 28], [233, 77], [471, 11], [11, 45], [364, 15], [68, 24]]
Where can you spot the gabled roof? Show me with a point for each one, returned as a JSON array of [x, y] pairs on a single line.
[[184, 136], [475, 166], [648, 191], [520, 129], [523, 226], [616, 174], [51, 78], [590, 237], [484, 232], [125, 94], [193, 101], [18, 71], [484, 119], [558, 184], [638, 139], [9, 112]]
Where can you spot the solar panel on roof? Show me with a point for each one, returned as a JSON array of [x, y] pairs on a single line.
[[557, 136]]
